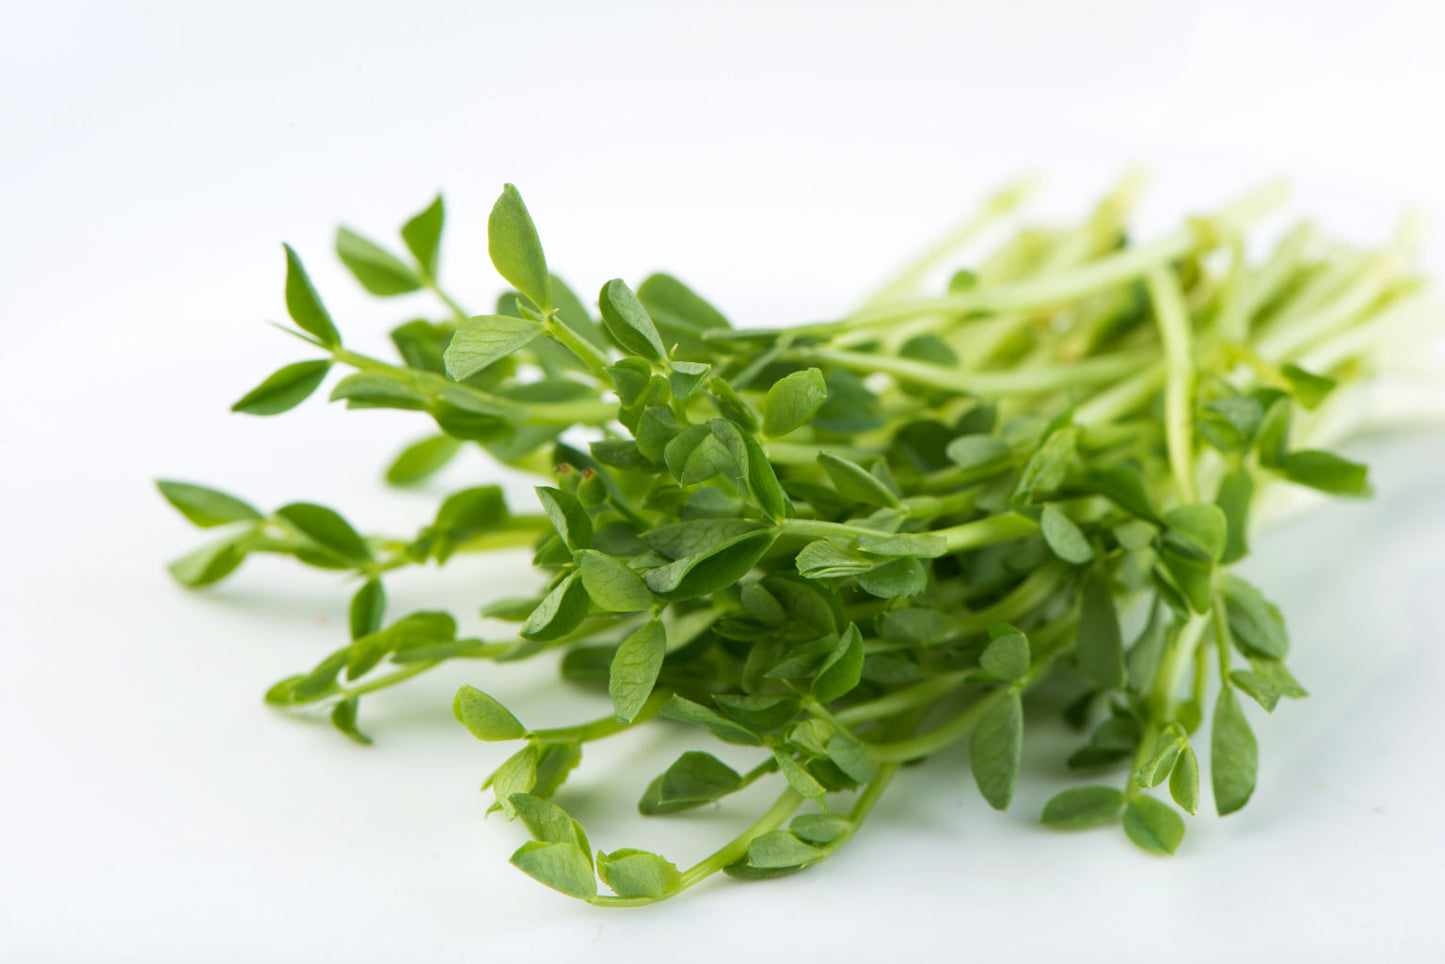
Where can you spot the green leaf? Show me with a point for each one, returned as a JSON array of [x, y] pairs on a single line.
[[343, 717], [922, 626], [628, 321], [759, 712], [792, 400], [568, 517], [732, 406], [799, 778], [612, 585], [564, 867], [463, 515], [1007, 654], [327, 530], [205, 507], [763, 483], [820, 829], [1236, 492], [368, 607], [1326, 472], [1230, 424], [686, 711], [1233, 754], [896, 579], [1046, 469], [1147, 652], [776, 853], [1263, 690], [1121, 485], [1083, 807], [284, 389], [1112, 741], [515, 249], [1152, 825], [996, 750], [857, 483], [372, 390], [516, 776], [1064, 538], [979, 453], [321, 681], [1167, 747], [304, 305], [1099, 643], [922, 545], [1309, 389], [842, 670], [694, 779], [635, 668], [1184, 781], [1272, 439], [421, 344], [637, 873], [1255, 624], [211, 563], [423, 236], [680, 313], [680, 539], [1199, 524], [684, 377], [715, 568], [379, 271], [485, 340], [1190, 572], [560, 611], [408, 637], [484, 717]]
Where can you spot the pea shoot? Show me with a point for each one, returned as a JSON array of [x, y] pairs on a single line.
[[845, 546]]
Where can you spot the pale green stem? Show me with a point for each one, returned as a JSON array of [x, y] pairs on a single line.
[[955, 729], [1175, 332], [592, 356], [1171, 671], [731, 852], [1027, 381], [996, 206], [1052, 290]]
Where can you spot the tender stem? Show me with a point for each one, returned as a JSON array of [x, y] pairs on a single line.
[[1174, 331], [925, 744], [729, 853], [603, 727], [996, 206], [1001, 384], [592, 356], [1050, 290]]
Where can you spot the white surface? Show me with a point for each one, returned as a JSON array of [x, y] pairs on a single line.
[[781, 157]]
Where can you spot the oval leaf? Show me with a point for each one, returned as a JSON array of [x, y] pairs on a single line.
[[995, 750], [515, 249], [792, 400], [1083, 807], [484, 717], [284, 389], [205, 507], [380, 272], [486, 339], [304, 305], [634, 670]]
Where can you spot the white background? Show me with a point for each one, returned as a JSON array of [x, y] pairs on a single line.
[[781, 157]]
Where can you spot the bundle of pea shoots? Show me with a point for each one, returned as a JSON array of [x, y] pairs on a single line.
[[846, 546]]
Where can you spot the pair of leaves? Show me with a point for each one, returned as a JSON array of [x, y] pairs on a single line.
[[383, 274], [1152, 825]]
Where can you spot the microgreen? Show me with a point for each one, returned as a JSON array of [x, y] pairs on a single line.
[[844, 546]]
